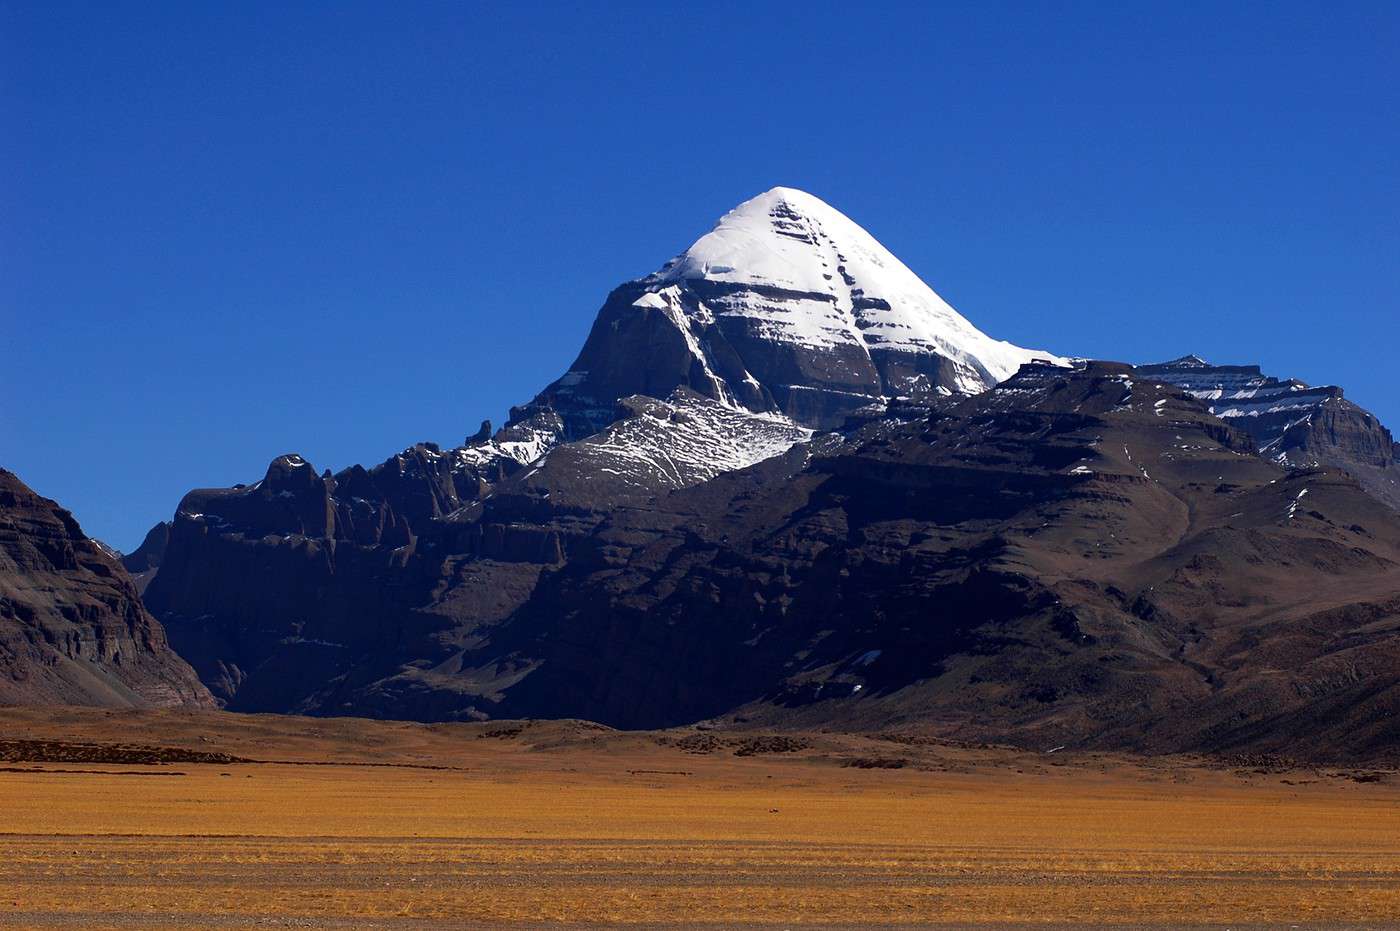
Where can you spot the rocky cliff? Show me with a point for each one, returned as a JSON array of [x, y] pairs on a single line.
[[1293, 423], [72, 628]]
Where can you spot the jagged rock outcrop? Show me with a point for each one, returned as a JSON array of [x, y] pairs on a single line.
[[272, 588], [72, 628], [1293, 423], [288, 591]]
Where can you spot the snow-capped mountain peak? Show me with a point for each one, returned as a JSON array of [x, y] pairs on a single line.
[[786, 306], [788, 239]]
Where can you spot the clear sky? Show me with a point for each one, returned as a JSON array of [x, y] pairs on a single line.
[[233, 230]]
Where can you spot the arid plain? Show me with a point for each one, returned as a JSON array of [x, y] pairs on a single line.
[[148, 820]]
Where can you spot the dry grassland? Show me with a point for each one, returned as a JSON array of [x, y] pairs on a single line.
[[583, 827]]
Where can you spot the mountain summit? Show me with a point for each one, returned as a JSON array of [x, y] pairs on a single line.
[[789, 239], [786, 306]]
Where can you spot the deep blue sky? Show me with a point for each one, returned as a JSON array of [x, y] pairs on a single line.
[[229, 231]]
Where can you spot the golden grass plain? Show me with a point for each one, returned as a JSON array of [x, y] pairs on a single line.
[[566, 825]]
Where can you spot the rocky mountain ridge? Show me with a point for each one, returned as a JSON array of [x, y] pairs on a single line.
[[1079, 556], [1295, 424]]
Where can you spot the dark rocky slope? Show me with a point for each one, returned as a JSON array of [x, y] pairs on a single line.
[[291, 592], [1074, 557], [1088, 558], [72, 628], [1293, 423]]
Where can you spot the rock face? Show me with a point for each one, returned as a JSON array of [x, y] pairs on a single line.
[[287, 593], [1293, 423], [1086, 558], [143, 562], [786, 306], [266, 587], [771, 496], [72, 628], [1077, 556]]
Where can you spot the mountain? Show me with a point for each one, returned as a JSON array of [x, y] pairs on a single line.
[[785, 319], [72, 628], [1293, 423], [785, 484], [785, 307], [1076, 557]]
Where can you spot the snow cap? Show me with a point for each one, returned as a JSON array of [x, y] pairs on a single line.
[[788, 239]]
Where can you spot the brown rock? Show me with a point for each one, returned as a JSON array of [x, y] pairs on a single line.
[[72, 627]]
